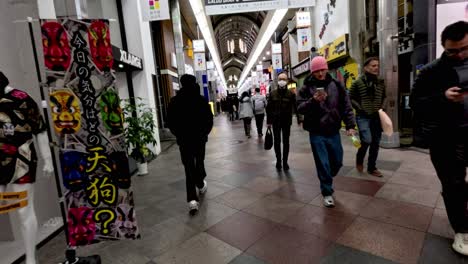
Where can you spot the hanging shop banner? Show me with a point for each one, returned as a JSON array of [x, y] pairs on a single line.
[[302, 19], [276, 48], [199, 45], [211, 76], [277, 61], [200, 62], [153, 10], [331, 20], [335, 50], [304, 39], [220, 7], [449, 12], [300, 3], [88, 122]]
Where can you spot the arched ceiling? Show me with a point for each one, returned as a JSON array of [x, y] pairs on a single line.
[[234, 27]]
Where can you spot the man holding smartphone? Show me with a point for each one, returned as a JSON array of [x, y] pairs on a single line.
[[325, 103], [439, 100]]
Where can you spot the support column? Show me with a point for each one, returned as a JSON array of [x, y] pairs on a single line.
[[178, 36], [388, 41]]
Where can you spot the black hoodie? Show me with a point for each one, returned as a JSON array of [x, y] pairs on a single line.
[[189, 116]]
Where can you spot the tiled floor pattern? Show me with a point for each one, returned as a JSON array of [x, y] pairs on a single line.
[[253, 214]]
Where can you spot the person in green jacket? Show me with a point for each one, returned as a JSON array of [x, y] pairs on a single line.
[[367, 97]]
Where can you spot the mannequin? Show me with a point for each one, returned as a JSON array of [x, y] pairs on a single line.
[[27, 215]]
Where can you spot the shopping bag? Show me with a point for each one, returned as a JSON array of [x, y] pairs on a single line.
[[268, 139], [386, 122]]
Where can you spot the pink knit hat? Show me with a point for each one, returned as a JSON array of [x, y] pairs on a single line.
[[318, 63]]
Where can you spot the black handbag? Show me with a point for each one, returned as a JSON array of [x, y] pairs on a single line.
[[268, 139]]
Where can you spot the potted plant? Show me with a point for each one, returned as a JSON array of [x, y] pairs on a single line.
[[139, 129]]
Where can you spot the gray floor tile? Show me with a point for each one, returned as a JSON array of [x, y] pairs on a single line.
[[438, 250], [246, 259], [345, 255]]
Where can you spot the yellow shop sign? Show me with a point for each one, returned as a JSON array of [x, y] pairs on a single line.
[[336, 49]]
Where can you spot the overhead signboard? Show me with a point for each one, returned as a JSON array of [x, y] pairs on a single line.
[[301, 68], [301, 3], [199, 45], [210, 65], [153, 10], [221, 7], [276, 48], [335, 50]]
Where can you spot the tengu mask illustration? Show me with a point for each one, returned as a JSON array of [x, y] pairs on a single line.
[[100, 45], [126, 222], [111, 112], [120, 169], [81, 226], [57, 52], [74, 170], [66, 112]]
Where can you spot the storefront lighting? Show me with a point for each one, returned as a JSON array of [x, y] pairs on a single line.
[[207, 31], [272, 20], [121, 66], [233, 46]]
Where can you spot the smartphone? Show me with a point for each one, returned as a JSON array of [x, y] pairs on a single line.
[[462, 72], [320, 90]]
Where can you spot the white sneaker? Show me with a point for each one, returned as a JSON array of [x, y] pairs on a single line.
[[204, 189], [193, 207], [328, 201], [460, 243]]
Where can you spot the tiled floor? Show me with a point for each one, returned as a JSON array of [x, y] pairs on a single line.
[[253, 214]]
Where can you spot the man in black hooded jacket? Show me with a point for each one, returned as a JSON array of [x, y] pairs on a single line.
[[439, 100], [190, 119]]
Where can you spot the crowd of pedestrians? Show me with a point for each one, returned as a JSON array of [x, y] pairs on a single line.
[[439, 100]]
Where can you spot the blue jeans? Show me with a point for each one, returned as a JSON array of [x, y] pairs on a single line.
[[328, 156], [370, 132]]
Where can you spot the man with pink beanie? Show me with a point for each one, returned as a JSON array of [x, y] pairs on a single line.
[[324, 103]]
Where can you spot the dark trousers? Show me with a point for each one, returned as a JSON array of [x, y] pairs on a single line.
[[231, 115], [259, 121], [370, 131], [328, 156], [247, 125], [285, 131], [450, 161], [193, 158]]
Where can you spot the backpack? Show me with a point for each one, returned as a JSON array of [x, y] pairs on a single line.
[[258, 107]]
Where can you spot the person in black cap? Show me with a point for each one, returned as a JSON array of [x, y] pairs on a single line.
[[190, 119]]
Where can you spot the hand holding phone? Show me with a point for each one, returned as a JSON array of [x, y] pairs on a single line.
[[320, 94]]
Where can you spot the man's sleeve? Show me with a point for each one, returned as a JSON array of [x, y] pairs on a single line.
[[355, 96]]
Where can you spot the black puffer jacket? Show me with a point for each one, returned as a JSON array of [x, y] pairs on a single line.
[[434, 116]]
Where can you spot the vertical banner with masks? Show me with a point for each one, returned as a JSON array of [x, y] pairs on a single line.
[[304, 39], [200, 62], [277, 61], [88, 122]]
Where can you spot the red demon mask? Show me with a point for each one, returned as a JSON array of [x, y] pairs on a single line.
[[81, 226], [57, 52], [100, 45]]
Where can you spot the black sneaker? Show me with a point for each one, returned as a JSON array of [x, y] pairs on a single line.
[[286, 166], [278, 166]]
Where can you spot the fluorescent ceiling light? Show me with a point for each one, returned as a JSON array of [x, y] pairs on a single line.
[[268, 53], [272, 21], [207, 31], [264, 58]]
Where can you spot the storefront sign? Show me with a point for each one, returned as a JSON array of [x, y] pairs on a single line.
[[276, 48], [304, 39], [200, 62], [302, 68], [153, 10], [220, 7], [88, 121], [199, 45], [302, 19], [210, 65], [277, 61], [211, 76], [335, 50], [300, 3], [126, 57]]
